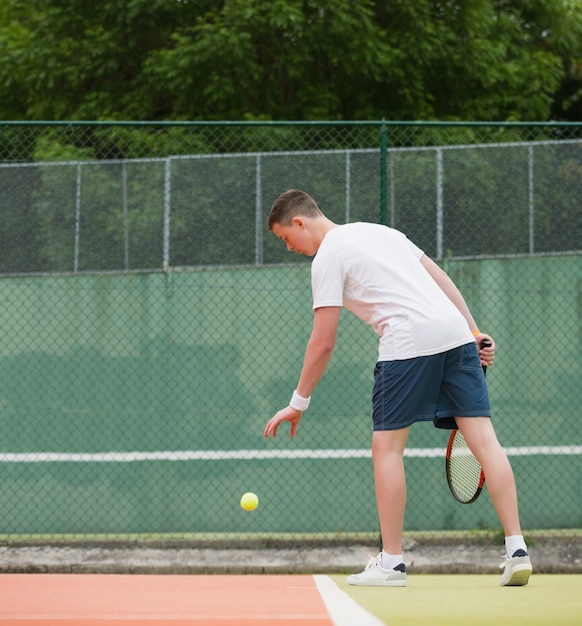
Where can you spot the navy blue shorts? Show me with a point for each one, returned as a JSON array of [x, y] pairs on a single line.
[[430, 388]]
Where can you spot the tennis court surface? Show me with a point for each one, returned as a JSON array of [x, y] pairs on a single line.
[[284, 600], [219, 600]]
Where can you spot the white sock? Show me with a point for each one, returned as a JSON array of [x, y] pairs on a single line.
[[513, 543], [390, 561]]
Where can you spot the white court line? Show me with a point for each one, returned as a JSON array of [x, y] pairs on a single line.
[[343, 610], [229, 455], [180, 455]]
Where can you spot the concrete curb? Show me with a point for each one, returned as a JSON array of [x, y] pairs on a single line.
[[549, 556]]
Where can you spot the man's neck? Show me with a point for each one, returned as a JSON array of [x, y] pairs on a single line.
[[324, 225]]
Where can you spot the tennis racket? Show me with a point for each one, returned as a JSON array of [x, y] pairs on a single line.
[[464, 473]]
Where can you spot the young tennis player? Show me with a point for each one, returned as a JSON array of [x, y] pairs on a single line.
[[428, 369]]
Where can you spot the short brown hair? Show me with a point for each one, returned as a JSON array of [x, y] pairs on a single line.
[[290, 204]]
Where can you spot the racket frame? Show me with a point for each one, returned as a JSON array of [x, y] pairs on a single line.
[[455, 434]]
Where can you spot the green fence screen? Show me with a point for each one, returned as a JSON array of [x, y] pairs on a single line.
[[152, 325]]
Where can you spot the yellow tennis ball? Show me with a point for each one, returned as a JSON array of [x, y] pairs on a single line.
[[249, 501]]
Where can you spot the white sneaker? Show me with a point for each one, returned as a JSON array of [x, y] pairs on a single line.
[[516, 569], [376, 576]]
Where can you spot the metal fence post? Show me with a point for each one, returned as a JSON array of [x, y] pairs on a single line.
[[530, 192], [348, 185], [439, 204], [167, 195], [383, 174], [125, 215], [77, 219], [258, 214]]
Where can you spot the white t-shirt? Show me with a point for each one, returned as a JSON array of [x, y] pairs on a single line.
[[375, 272]]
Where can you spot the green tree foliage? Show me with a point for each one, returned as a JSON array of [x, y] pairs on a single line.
[[291, 59]]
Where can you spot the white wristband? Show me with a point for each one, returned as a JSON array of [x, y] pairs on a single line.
[[299, 403]]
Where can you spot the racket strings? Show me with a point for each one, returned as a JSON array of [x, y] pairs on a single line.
[[465, 475]]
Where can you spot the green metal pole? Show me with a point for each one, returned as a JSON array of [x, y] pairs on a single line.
[[383, 174]]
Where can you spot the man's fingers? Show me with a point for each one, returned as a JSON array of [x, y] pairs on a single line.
[[271, 428], [268, 429], [285, 415]]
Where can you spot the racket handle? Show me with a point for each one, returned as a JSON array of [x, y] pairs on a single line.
[[484, 344]]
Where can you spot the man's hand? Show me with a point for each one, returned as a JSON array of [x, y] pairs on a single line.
[[287, 414], [486, 353]]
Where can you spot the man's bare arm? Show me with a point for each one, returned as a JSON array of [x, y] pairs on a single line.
[[317, 356], [444, 281], [319, 348]]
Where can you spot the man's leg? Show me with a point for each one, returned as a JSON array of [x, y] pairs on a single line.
[[390, 483], [387, 569], [482, 440]]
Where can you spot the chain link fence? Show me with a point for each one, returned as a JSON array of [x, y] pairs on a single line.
[[152, 324]]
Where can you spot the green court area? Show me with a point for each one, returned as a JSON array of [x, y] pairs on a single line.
[[474, 600]]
